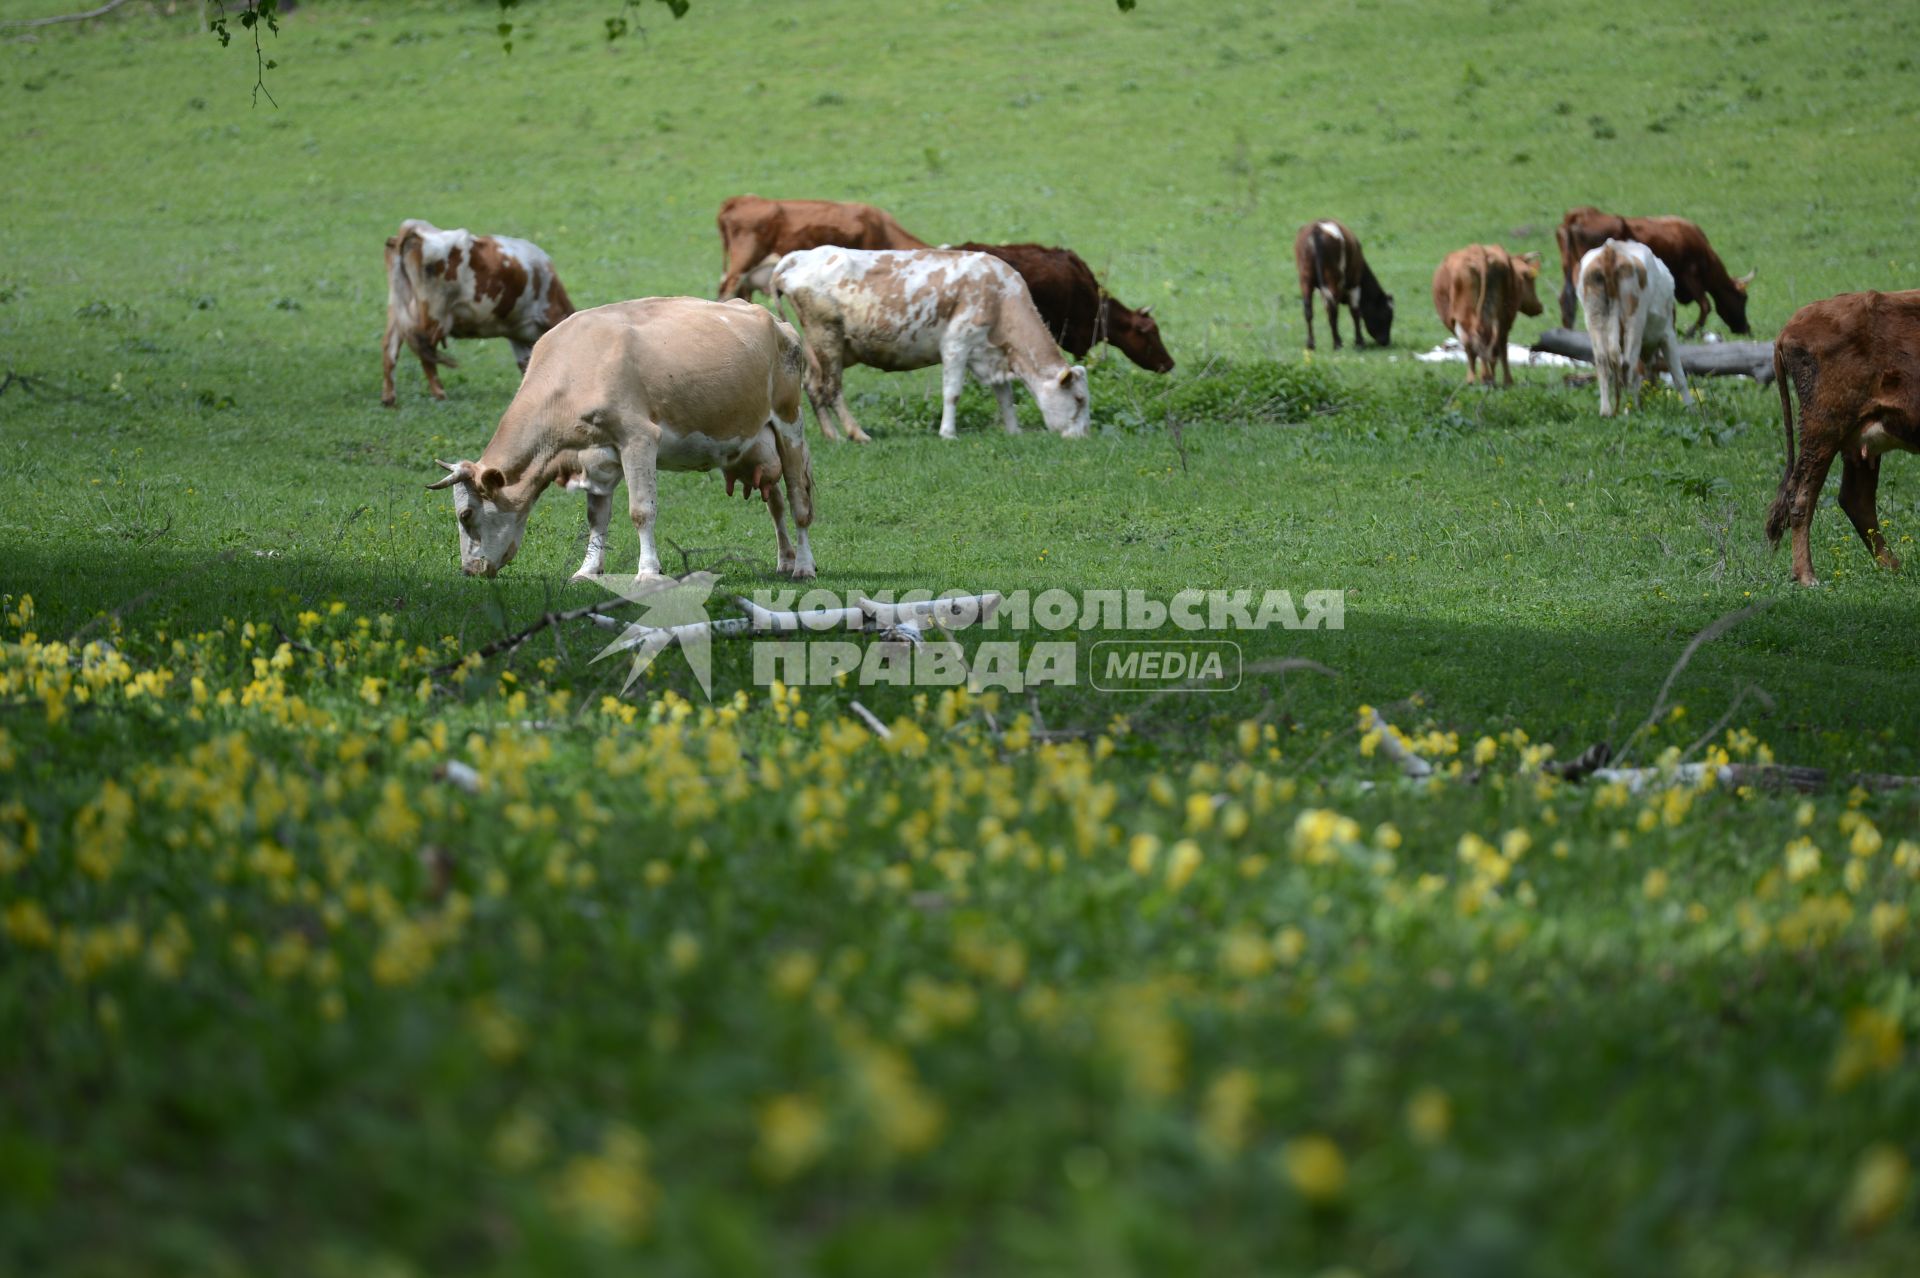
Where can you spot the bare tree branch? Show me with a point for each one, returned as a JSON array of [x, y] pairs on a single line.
[[25, 23]]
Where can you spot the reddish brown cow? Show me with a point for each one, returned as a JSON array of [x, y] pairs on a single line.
[[1330, 262], [756, 233], [1078, 311], [1855, 362], [1698, 274], [1477, 291]]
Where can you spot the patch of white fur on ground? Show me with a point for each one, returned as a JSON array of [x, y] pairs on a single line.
[[1518, 356]]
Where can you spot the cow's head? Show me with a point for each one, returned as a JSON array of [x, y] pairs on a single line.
[[1137, 336], [1064, 403], [1526, 270], [1734, 309], [490, 526], [1376, 312]]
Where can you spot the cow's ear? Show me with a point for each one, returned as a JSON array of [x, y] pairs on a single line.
[[490, 481]]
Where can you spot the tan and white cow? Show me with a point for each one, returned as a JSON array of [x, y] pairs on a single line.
[[445, 284], [1627, 294], [913, 308], [623, 391]]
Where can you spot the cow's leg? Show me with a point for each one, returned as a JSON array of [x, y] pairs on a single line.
[[953, 379], [1670, 351], [1306, 304], [522, 352], [777, 508], [1809, 474], [741, 255], [389, 352], [1333, 318], [1500, 353], [1706, 310], [1359, 333], [1003, 392], [1859, 490], [433, 376], [638, 460], [956, 352], [822, 384], [599, 516], [796, 471]]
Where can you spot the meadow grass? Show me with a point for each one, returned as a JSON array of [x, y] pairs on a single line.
[[739, 987]]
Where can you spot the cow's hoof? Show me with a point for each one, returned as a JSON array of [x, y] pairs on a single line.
[[802, 572], [653, 580], [860, 437], [389, 402]]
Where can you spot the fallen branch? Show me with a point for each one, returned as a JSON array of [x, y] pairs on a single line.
[[1710, 359], [1713, 630], [872, 721], [23, 24], [1767, 776], [896, 621], [1413, 765]]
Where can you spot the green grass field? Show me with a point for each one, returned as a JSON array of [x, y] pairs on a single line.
[[737, 987]]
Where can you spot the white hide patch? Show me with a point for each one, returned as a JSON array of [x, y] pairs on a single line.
[[1452, 352], [1333, 230]]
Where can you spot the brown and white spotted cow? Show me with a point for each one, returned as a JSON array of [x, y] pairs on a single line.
[[1627, 294], [1698, 274], [1477, 291], [1855, 362], [756, 233], [1331, 264], [913, 308], [446, 284], [628, 390]]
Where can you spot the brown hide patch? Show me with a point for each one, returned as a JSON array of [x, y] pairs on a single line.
[[453, 261], [497, 278]]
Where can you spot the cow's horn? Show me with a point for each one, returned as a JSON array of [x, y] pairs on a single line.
[[1747, 279], [456, 471], [1146, 310]]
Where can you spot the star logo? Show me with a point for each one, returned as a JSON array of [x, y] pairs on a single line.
[[670, 611]]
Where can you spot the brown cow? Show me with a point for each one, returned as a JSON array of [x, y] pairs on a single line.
[[1698, 274], [1330, 263], [443, 284], [1078, 311], [756, 233], [1855, 361], [1476, 292]]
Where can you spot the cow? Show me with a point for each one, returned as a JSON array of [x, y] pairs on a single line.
[[674, 383], [756, 233], [1698, 274], [1854, 360], [444, 284], [1076, 308], [1477, 291], [1628, 297], [911, 308], [1331, 264]]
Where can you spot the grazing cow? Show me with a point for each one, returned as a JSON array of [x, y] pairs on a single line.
[[756, 233], [675, 383], [1077, 310], [443, 284], [1628, 296], [1477, 291], [1698, 274], [1331, 264], [911, 308], [1855, 362]]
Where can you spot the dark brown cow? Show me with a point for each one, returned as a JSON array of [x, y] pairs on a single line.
[[1332, 265], [1698, 274], [1476, 292], [1078, 311], [756, 233], [1855, 362]]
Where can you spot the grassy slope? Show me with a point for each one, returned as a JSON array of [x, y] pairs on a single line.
[[1515, 558]]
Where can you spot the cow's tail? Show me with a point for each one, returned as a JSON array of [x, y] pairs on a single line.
[[407, 302], [1782, 508]]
